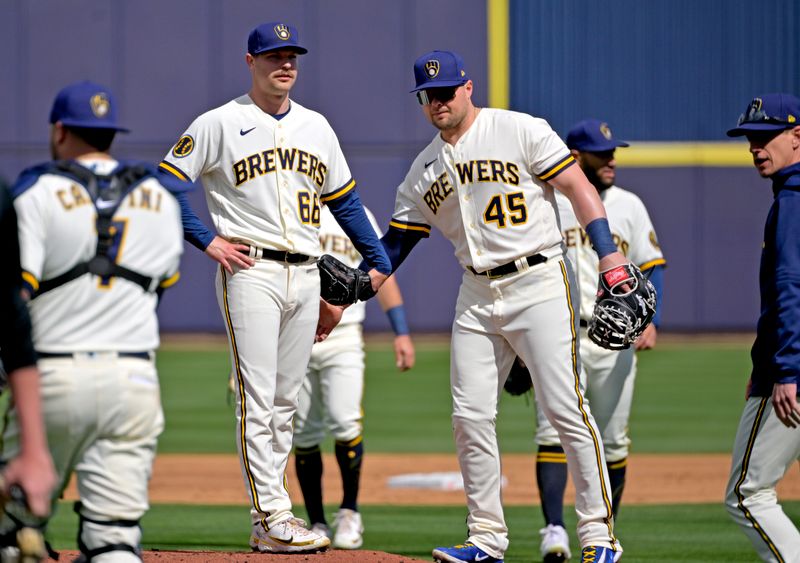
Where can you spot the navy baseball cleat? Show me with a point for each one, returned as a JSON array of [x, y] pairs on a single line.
[[595, 554], [465, 553]]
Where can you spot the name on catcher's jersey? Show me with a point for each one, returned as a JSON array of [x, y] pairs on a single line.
[[57, 228], [488, 194], [334, 241], [631, 229], [265, 179]]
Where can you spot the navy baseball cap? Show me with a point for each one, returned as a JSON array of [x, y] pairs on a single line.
[[770, 112], [439, 69], [272, 36], [592, 135], [88, 105]]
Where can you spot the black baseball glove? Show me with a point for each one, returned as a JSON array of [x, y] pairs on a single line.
[[519, 379], [341, 284], [625, 305]]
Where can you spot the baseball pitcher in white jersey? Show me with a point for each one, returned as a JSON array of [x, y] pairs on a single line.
[[268, 165], [330, 398], [607, 375], [487, 180], [99, 240]]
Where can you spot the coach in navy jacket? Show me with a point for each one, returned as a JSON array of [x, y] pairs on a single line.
[[768, 439]]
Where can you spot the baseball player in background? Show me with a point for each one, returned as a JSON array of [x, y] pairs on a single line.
[[487, 182], [768, 438], [330, 398], [100, 239], [268, 165], [33, 468], [607, 375]]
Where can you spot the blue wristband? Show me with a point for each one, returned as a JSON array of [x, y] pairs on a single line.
[[397, 318], [600, 235]]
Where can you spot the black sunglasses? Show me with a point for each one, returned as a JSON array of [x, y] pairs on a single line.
[[442, 95]]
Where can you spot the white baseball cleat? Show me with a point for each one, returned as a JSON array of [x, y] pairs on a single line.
[[555, 544], [289, 536], [348, 529], [321, 529]]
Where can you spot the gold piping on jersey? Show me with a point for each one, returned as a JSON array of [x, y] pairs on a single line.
[[240, 382], [336, 194], [751, 441], [557, 169], [31, 280], [597, 447], [425, 229], [170, 281], [174, 170], [652, 264]]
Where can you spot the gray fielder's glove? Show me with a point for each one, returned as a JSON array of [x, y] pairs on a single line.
[[341, 284], [621, 314]]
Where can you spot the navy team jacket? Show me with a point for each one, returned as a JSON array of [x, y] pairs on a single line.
[[776, 351]]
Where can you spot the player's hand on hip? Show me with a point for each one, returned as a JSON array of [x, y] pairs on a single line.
[[377, 279], [34, 472], [404, 354], [230, 254], [329, 317], [648, 338], [784, 400]]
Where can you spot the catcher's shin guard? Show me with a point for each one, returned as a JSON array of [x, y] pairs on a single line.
[[98, 537]]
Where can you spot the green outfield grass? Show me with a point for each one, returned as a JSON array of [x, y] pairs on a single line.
[[688, 399]]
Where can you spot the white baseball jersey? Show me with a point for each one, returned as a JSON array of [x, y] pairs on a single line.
[[490, 199], [335, 242], [488, 195], [265, 179], [57, 230], [631, 229]]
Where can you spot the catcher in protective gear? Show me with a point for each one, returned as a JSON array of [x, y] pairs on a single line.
[[341, 284], [626, 304]]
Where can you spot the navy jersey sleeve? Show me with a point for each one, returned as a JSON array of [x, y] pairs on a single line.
[[786, 361]]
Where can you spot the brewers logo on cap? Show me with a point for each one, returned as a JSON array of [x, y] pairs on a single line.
[[282, 32], [605, 130], [100, 104], [432, 68]]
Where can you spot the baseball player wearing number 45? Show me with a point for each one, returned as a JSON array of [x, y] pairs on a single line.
[[330, 398], [267, 165], [487, 182], [607, 375], [768, 438]]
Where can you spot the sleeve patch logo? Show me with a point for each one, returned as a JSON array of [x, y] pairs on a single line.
[[183, 147], [654, 240]]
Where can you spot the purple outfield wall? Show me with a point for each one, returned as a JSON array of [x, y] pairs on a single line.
[[167, 64]]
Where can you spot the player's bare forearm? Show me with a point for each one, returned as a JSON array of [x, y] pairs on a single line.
[[329, 317], [229, 254], [389, 295], [647, 340], [33, 468], [784, 400], [404, 353], [581, 193], [611, 260], [377, 279]]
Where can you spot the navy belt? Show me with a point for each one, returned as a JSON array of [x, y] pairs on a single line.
[[509, 268], [51, 355], [281, 255]]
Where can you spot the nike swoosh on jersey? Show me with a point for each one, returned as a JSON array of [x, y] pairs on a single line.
[[479, 557], [104, 204], [431, 162], [242, 132]]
